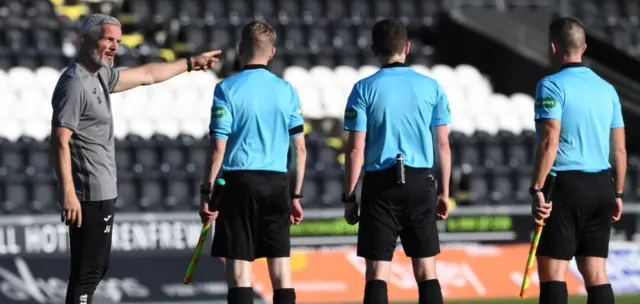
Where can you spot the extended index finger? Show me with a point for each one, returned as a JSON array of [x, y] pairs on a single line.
[[215, 53]]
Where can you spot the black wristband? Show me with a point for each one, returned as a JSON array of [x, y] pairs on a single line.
[[297, 195], [189, 64], [620, 195], [533, 191], [348, 199], [205, 190]]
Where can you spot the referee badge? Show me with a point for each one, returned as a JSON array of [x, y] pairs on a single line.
[[545, 102], [350, 114], [218, 112]]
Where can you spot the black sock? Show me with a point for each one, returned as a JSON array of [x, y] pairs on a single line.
[[284, 296], [240, 295], [554, 292], [430, 292], [375, 292], [600, 294], [75, 296]]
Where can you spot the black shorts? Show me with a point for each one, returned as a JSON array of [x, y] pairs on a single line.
[[580, 220], [254, 218], [389, 210]]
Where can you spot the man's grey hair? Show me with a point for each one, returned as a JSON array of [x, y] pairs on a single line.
[[95, 21]]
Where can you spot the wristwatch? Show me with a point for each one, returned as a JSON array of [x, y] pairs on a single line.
[[299, 195], [205, 189], [348, 199], [619, 195], [189, 64], [533, 191]]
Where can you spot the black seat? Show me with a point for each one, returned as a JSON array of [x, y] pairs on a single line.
[[360, 11], [163, 10], [214, 11], [343, 38], [127, 193], [265, 10], [522, 179], [151, 191], [16, 195], [294, 38], [190, 11], [478, 187], [318, 39], [220, 37], [144, 152], [43, 198], [336, 11], [311, 11], [239, 11], [288, 11], [197, 153], [407, 9], [180, 192], [332, 189], [312, 191], [35, 153], [11, 156], [139, 10], [502, 186], [383, 8]]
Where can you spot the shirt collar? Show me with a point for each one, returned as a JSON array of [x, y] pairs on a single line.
[[254, 67], [572, 65], [394, 65]]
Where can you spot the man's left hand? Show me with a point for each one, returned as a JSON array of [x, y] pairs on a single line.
[[351, 213], [539, 208], [205, 61]]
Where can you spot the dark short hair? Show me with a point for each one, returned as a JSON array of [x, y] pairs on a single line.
[[389, 37], [568, 33]]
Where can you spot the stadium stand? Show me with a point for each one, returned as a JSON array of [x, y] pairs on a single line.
[[323, 49]]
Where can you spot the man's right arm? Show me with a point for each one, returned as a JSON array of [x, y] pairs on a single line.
[[62, 158], [67, 104]]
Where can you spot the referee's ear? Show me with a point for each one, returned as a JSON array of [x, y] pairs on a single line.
[[407, 48], [273, 53]]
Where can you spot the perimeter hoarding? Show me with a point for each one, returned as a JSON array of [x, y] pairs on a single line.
[[465, 272]]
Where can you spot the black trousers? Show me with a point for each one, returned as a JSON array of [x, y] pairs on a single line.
[[90, 250]]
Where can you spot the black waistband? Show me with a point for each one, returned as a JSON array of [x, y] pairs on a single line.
[[408, 170]]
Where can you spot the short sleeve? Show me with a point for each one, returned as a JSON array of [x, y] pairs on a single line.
[[616, 121], [68, 103], [355, 114], [441, 111], [296, 120], [221, 118], [111, 77], [549, 100]]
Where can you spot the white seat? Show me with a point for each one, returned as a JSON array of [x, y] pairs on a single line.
[[333, 102], [422, 69], [159, 102], [499, 104], [296, 75], [346, 76], [37, 129], [120, 128], [367, 70], [4, 80], [10, 129], [467, 75], [193, 127], [462, 122], [310, 102], [444, 74], [20, 77], [168, 127], [47, 78], [321, 76], [487, 125], [142, 127]]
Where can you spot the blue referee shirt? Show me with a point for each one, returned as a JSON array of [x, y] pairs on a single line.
[[587, 107], [396, 106], [257, 113]]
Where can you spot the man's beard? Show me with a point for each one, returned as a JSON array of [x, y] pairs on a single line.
[[97, 59]]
